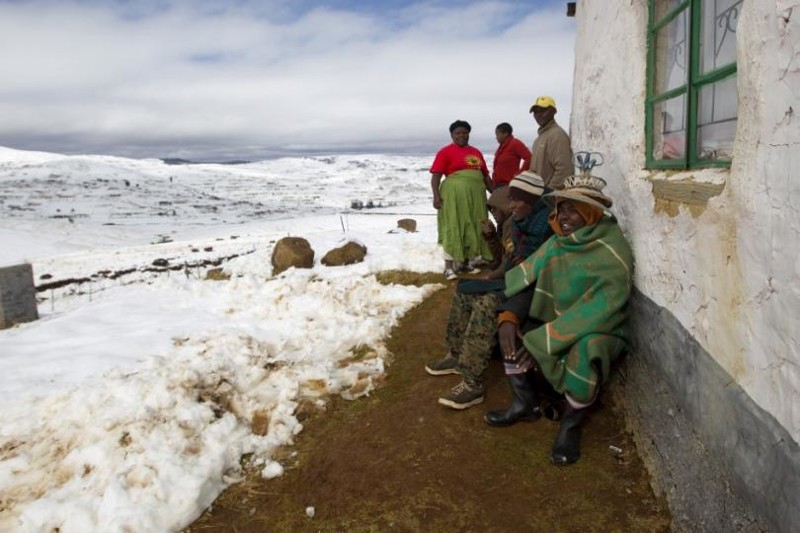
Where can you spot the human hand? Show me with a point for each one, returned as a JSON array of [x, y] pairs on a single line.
[[437, 202], [507, 336], [487, 228]]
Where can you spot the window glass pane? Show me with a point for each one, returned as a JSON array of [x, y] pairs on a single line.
[[672, 52], [665, 6], [718, 38], [669, 129], [716, 119]]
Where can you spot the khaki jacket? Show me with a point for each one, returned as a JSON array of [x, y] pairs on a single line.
[[551, 155]]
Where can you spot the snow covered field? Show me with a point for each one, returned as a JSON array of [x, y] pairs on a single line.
[[128, 405]]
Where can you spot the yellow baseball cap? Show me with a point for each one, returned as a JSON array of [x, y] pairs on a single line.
[[543, 101]]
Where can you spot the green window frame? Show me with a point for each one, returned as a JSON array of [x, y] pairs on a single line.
[[691, 104]]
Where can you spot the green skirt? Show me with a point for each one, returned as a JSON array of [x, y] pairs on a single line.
[[459, 220]]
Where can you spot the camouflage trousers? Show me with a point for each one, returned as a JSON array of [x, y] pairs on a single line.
[[471, 334]]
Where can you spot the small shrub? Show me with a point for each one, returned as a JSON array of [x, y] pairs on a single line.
[[405, 277], [217, 274]]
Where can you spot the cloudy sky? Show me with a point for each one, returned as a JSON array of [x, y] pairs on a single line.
[[247, 79]]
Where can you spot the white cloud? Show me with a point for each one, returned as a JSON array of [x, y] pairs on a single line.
[[175, 79]]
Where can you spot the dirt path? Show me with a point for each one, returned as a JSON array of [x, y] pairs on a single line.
[[397, 461]]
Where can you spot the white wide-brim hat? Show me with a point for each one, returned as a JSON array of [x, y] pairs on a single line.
[[584, 188]]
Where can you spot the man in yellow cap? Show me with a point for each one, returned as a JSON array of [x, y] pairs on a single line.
[[551, 154]]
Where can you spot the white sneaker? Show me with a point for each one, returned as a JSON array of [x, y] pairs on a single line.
[[450, 274], [476, 264]]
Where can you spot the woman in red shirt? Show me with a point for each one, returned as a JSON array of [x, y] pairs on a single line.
[[511, 157], [460, 200]]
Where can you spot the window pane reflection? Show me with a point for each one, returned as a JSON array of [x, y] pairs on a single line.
[[717, 119], [669, 129], [672, 54], [718, 39]]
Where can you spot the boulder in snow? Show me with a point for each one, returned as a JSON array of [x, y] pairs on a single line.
[[350, 253], [292, 252]]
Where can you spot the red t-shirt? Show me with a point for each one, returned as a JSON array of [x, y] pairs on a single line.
[[507, 160], [453, 158]]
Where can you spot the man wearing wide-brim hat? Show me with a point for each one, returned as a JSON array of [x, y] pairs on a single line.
[[575, 323], [471, 333], [551, 154]]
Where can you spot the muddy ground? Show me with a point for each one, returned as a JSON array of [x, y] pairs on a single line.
[[397, 461]]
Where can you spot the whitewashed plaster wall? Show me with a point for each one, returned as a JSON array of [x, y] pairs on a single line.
[[730, 273]]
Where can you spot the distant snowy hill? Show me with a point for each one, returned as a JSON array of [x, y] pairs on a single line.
[[114, 190], [106, 200]]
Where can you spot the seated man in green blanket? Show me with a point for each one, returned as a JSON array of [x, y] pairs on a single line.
[[573, 323]]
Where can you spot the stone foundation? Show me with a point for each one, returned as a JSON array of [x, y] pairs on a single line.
[[723, 463]]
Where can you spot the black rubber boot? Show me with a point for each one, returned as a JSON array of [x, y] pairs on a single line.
[[554, 409], [567, 448], [524, 405]]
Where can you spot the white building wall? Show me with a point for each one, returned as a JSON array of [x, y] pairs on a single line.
[[730, 273]]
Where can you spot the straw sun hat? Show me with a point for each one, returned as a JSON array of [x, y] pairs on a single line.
[[581, 188]]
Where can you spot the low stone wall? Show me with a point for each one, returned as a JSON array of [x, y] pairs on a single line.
[[17, 295], [723, 463]]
